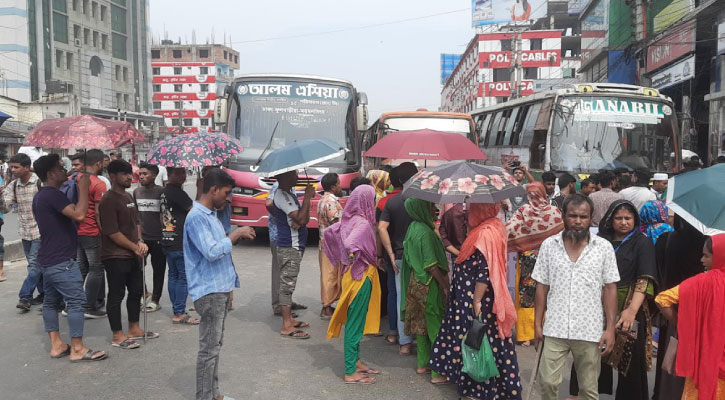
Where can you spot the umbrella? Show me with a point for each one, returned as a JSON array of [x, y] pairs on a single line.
[[461, 181], [4, 117], [299, 154], [194, 150], [697, 197], [83, 131], [426, 144]]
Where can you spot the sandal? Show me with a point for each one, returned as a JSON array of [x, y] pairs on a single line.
[[362, 381], [369, 371], [89, 356], [186, 320], [151, 307], [149, 335], [127, 344], [294, 334], [296, 306], [392, 339], [63, 354], [301, 324]]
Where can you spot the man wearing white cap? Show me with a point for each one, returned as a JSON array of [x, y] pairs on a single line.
[[659, 185]]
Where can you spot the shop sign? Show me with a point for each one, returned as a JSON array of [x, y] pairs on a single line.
[[671, 47], [503, 89], [529, 59], [674, 74]]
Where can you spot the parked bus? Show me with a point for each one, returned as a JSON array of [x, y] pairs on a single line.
[[415, 120], [299, 107], [582, 129]]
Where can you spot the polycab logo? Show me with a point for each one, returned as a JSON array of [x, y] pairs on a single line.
[[201, 78], [202, 113], [202, 95]]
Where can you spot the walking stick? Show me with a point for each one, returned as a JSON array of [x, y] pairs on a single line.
[[143, 274], [532, 380]]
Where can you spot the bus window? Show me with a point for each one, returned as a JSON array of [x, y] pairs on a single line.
[[519, 125], [483, 122], [511, 125], [492, 129], [501, 128], [527, 131]]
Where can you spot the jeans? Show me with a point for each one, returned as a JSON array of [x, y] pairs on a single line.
[[35, 274], [158, 264], [392, 301], [89, 258], [178, 289], [402, 337], [63, 283], [123, 273], [213, 311]]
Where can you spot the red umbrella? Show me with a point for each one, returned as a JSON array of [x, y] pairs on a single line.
[[84, 131], [426, 144]]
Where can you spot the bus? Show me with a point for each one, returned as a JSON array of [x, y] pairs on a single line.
[[582, 128], [269, 111], [415, 120]]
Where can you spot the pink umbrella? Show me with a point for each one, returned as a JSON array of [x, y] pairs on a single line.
[[84, 131], [426, 144]]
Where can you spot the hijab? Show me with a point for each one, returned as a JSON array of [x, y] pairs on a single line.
[[381, 182], [700, 325], [354, 234], [653, 218], [422, 247], [488, 235], [533, 222]]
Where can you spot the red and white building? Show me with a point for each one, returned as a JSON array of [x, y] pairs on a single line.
[[187, 79], [483, 76]]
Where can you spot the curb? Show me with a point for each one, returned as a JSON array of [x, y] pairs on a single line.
[[14, 250]]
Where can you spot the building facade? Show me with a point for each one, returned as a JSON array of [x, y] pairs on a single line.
[[187, 79]]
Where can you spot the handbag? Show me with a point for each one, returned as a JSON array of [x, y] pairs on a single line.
[[668, 362], [475, 335], [621, 356], [479, 364]]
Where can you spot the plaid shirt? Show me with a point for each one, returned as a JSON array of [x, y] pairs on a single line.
[[22, 194]]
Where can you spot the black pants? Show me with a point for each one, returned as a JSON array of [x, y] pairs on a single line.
[[158, 264], [122, 274]]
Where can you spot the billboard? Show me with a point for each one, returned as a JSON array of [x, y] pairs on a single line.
[[529, 59], [448, 64], [672, 46], [486, 12], [503, 89]]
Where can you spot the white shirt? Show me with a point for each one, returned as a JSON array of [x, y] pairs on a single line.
[[574, 308], [638, 195], [162, 176], [105, 180]]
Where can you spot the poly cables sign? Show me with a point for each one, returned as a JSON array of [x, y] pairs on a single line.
[[529, 58], [503, 89]]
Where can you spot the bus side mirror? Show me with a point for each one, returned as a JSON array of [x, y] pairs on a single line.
[[362, 117], [221, 111]]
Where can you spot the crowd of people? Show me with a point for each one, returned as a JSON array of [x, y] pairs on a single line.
[[597, 274]]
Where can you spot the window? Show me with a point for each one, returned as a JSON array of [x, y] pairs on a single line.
[[118, 72], [156, 54], [69, 61], [493, 128], [155, 71], [203, 53], [204, 87], [535, 44], [118, 46], [104, 41], [483, 122], [176, 53], [86, 35], [125, 101], [204, 105], [177, 70], [506, 45], [118, 100], [225, 54], [236, 59], [178, 88], [204, 70], [96, 66], [531, 73], [514, 125], [104, 9], [58, 58], [501, 75], [94, 9], [75, 5], [60, 27], [95, 39], [157, 105], [157, 88], [118, 19], [569, 72], [85, 6], [174, 122], [125, 74], [204, 122], [177, 105], [501, 129], [187, 121]]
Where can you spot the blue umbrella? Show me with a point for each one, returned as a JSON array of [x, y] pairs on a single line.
[[697, 197], [4, 117], [300, 154]]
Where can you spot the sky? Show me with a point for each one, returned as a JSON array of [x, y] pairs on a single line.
[[397, 65]]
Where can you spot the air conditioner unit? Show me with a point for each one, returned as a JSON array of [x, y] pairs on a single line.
[[77, 42]]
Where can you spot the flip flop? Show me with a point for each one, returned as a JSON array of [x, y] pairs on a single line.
[[149, 335], [127, 344], [64, 353], [293, 333], [439, 383], [185, 321], [362, 381], [3, 279], [369, 371], [89, 356], [301, 324]]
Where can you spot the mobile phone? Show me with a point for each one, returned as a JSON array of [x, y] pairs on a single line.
[[515, 163]]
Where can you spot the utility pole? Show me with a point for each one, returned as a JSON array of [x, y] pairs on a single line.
[[517, 73]]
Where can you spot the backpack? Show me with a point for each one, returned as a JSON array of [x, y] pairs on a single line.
[[70, 188]]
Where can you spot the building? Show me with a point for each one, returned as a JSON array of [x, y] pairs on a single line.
[[187, 78], [483, 75]]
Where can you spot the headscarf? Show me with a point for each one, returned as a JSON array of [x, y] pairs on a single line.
[[533, 222], [653, 218], [354, 233], [422, 247], [381, 182], [488, 235], [700, 325]]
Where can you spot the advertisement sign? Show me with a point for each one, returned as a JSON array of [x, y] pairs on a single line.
[[186, 113], [617, 112], [486, 12], [185, 79], [675, 74], [184, 96], [503, 89], [672, 13], [721, 38], [576, 7], [182, 64], [595, 30], [529, 58], [671, 47]]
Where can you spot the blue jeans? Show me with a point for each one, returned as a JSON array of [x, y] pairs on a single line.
[[402, 337], [63, 283], [213, 310], [392, 302], [35, 275], [178, 289]]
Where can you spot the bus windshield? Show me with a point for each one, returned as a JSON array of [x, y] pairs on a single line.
[[303, 110], [455, 125], [595, 132]]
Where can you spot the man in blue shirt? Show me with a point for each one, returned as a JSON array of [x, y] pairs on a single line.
[[210, 275]]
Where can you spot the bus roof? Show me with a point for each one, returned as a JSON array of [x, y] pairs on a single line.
[[291, 76], [423, 114]]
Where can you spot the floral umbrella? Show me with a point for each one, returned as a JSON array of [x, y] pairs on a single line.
[[83, 131], [462, 181], [194, 150]]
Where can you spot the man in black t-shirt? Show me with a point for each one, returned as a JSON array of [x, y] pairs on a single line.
[[175, 205], [56, 217]]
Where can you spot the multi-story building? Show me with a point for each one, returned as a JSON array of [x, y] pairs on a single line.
[[187, 78]]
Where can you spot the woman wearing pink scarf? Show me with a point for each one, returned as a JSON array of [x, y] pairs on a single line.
[[350, 244]]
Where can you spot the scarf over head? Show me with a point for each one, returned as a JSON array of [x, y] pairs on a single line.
[[488, 235], [535, 221], [701, 323], [653, 218], [422, 247], [381, 182], [354, 234]]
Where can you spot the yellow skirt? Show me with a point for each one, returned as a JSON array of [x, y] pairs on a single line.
[[524, 316], [690, 391], [350, 288]]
